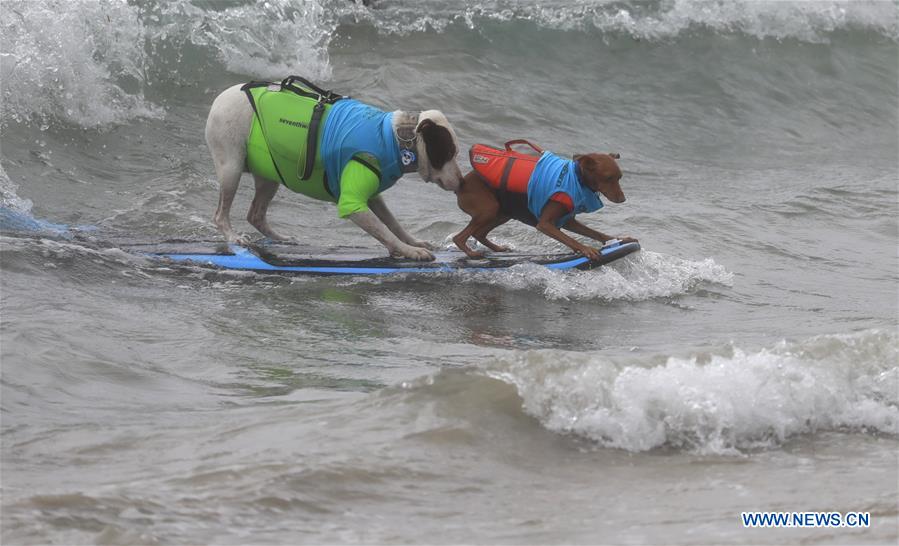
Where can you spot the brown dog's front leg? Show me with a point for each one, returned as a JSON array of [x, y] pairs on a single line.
[[581, 229], [547, 225]]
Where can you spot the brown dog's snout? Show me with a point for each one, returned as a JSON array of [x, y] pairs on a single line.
[[616, 197], [616, 194]]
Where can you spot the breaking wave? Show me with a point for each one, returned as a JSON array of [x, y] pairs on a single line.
[[658, 20], [714, 402], [95, 63], [81, 61]]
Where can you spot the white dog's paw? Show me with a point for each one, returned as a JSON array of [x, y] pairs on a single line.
[[238, 239], [283, 240], [413, 253], [422, 244]]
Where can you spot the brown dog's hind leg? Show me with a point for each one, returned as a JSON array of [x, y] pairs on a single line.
[[461, 239], [479, 202], [481, 234]]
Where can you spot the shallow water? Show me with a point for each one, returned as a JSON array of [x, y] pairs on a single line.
[[746, 359]]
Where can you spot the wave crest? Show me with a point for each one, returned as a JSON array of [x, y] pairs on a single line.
[[90, 62], [714, 403], [93, 62], [266, 39], [660, 20], [77, 61]]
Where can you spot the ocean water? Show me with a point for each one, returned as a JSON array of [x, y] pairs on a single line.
[[745, 360]]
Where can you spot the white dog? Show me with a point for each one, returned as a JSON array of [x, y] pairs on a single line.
[[362, 152]]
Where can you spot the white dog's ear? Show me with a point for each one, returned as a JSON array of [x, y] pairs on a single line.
[[615, 155], [424, 125], [439, 143]]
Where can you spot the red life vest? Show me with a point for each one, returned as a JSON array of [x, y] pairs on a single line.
[[504, 170]]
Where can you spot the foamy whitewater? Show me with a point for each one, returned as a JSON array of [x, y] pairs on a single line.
[[744, 360]]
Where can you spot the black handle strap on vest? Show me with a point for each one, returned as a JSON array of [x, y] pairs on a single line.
[[308, 89], [370, 167], [312, 139], [324, 95]]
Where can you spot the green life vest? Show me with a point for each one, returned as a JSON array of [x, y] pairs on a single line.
[[285, 140]]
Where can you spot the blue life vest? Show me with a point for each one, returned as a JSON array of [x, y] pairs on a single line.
[[554, 174], [352, 128]]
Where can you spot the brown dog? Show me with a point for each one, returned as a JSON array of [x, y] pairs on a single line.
[[546, 192]]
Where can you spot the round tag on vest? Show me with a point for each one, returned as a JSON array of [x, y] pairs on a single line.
[[407, 157]]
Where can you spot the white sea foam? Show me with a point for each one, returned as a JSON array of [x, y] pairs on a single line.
[[268, 39], [9, 199], [779, 19], [69, 60], [637, 277], [807, 21], [90, 62], [718, 402]]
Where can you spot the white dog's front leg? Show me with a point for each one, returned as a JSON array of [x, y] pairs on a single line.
[[379, 207], [372, 225]]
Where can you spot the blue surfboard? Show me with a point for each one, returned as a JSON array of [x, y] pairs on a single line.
[[287, 259]]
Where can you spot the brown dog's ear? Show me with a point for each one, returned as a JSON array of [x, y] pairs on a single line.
[[615, 155]]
